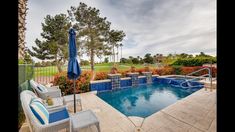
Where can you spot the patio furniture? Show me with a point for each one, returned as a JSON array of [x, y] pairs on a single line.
[[43, 91], [57, 118], [34, 123], [57, 102], [68, 100], [54, 92], [84, 119]]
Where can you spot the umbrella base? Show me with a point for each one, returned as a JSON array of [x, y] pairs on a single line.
[[71, 108]]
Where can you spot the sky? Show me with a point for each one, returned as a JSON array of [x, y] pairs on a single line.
[[151, 26]]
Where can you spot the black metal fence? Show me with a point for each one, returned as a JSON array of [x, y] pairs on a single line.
[[45, 75]]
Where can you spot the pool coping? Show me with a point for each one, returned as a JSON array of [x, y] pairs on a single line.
[[123, 78]]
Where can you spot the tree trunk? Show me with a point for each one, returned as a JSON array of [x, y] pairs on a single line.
[[113, 55], [117, 55], [92, 60], [59, 67], [58, 64], [22, 11], [121, 52]]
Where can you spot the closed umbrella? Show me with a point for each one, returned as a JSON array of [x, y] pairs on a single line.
[[74, 70]]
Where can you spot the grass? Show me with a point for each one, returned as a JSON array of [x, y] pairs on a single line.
[[104, 67]]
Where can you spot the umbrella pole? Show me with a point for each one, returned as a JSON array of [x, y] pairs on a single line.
[[74, 95]]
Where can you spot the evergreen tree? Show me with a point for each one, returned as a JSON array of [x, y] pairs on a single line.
[[94, 30], [54, 45]]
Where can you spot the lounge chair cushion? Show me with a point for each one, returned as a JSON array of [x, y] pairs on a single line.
[[59, 115], [36, 99], [40, 111], [42, 88]]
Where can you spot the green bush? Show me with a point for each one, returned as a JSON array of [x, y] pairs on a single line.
[[198, 61], [20, 61], [84, 62], [177, 70], [66, 85]]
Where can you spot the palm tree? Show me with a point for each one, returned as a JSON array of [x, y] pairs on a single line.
[[21, 25], [117, 46], [121, 49]]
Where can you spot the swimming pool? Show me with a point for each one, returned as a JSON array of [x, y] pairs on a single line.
[[144, 100]]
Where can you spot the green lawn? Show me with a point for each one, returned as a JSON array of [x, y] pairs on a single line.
[[105, 67]]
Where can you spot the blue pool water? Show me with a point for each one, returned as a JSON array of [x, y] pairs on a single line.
[[144, 100]]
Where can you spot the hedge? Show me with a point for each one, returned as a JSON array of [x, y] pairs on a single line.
[[193, 61]]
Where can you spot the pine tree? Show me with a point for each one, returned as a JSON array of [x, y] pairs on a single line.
[[55, 43], [93, 29]]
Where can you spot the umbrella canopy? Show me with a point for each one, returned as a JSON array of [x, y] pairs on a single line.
[[74, 70]]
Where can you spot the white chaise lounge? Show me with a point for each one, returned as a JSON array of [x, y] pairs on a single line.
[[44, 92], [42, 120]]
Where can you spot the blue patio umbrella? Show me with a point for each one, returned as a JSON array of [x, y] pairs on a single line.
[[74, 70]]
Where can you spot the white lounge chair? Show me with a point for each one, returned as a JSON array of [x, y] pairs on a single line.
[[34, 124], [53, 92], [43, 91], [75, 122]]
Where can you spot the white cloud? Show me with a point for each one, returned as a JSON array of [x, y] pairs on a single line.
[[151, 26]]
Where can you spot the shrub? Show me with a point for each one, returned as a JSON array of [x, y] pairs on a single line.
[[20, 61], [165, 71], [146, 69], [187, 70], [177, 70], [66, 85], [38, 64], [133, 69], [101, 75], [141, 70], [154, 71], [123, 73], [113, 70], [199, 61], [84, 62]]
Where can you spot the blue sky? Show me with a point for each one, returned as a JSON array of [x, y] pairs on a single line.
[[151, 26]]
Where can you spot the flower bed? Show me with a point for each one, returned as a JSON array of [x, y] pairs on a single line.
[[66, 85]]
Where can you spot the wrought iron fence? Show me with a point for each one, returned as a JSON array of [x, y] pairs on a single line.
[[45, 75]]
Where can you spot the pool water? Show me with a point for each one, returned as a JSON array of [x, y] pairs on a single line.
[[144, 100]]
